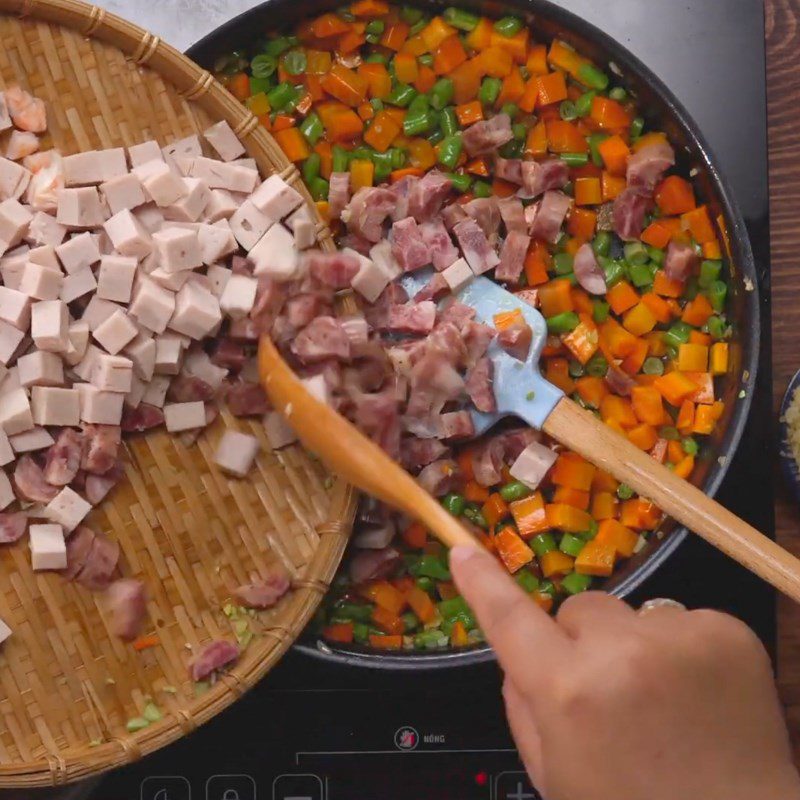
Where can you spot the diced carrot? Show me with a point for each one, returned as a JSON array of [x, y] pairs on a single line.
[[387, 621], [494, 509], [480, 37], [448, 55], [536, 62], [643, 436], [348, 43], [507, 319], [555, 563], [395, 35], [385, 642], [719, 358], [529, 515], [293, 144], [619, 342], [653, 137], [596, 558], [329, 25], [501, 188], [496, 61], [582, 341], [675, 387], [561, 55], [581, 224], [339, 632], [239, 86], [696, 312], [421, 154], [704, 393], [712, 250], [621, 297], [620, 409], [466, 80], [516, 45], [513, 552], [382, 132], [377, 77], [406, 68], [582, 303], [658, 307], [415, 535], [622, 539], [555, 297], [612, 186], [464, 458], [666, 287], [362, 172], [345, 85], [674, 196], [369, 8], [341, 123], [435, 32], [604, 505], [655, 343], [458, 635], [543, 600], [604, 482], [421, 604], [571, 497], [399, 174], [565, 137], [512, 89], [415, 45], [647, 404], [614, 152], [383, 594], [698, 337], [446, 589], [557, 373], [685, 467], [698, 222], [552, 88], [588, 192], [591, 390], [609, 114], [639, 319], [633, 362], [692, 357], [685, 419], [567, 518], [146, 642]]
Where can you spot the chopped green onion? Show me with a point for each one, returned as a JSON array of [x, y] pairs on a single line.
[[653, 366], [263, 65], [597, 366], [482, 189], [568, 111], [508, 26], [454, 503], [575, 583], [450, 151], [461, 19], [515, 490], [575, 159], [563, 323], [543, 543], [624, 492], [259, 86], [571, 544], [376, 58], [294, 62], [592, 77]]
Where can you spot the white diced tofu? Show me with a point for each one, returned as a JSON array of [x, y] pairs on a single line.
[[124, 191], [6, 453], [458, 274], [34, 439], [128, 235], [48, 549], [15, 308], [40, 368], [218, 175], [239, 296], [163, 186], [78, 284], [99, 407], [112, 373], [279, 432], [222, 138], [184, 416], [177, 249], [200, 365], [80, 208], [190, 207], [169, 354], [5, 631], [78, 339], [219, 277], [170, 280], [115, 278], [318, 388], [15, 220], [236, 452], [15, 412], [7, 497], [216, 241], [50, 325], [44, 256], [85, 367], [10, 338], [142, 353], [152, 305], [370, 280], [98, 311], [156, 391], [41, 283], [12, 265], [381, 254], [117, 331], [276, 198], [143, 152], [79, 252], [44, 229], [14, 179], [197, 311], [67, 509], [94, 166], [249, 225], [221, 205], [275, 254], [51, 405], [150, 216]]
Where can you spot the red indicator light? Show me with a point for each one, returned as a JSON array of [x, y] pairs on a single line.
[[481, 778]]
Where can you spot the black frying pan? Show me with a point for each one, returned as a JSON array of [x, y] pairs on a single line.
[[662, 110]]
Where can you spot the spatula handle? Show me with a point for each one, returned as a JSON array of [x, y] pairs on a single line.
[[585, 434], [349, 453]]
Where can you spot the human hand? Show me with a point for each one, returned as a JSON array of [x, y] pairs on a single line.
[[608, 704]]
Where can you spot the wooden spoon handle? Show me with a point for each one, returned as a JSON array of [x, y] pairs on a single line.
[[349, 453], [585, 434]]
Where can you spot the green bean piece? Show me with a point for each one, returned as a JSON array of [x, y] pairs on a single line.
[[614, 271], [690, 446], [376, 103], [637, 127], [482, 189], [575, 583], [398, 157], [624, 492], [583, 105], [520, 131], [640, 275], [568, 110], [375, 26], [542, 544], [431, 566], [448, 122], [515, 490], [345, 14], [318, 188], [376, 58], [489, 91], [656, 255], [441, 93], [461, 183], [575, 159], [277, 46], [418, 123], [456, 609], [709, 272], [401, 95], [340, 159], [260, 85], [410, 621], [677, 335], [717, 292], [619, 94], [383, 165], [571, 544], [312, 128], [454, 503], [563, 263], [263, 65], [311, 167], [361, 632], [595, 140], [508, 26], [563, 323], [410, 15], [601, 244], [716, 327], [281, 96], [653, 366], [575, 368], [294, 62], [669, 432], [425, 583], [461, 19], [512, 109], [593, 529], [600, 311], [450, 151], [597, 366], [591, 76], [512, 149], [635, 253], [527, 580], [547, 587]]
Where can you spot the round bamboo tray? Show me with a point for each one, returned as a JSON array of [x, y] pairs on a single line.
[[68, 688]]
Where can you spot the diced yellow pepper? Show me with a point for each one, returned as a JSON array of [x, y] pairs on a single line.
[[719, 358], [258, 104], [693, 358], [362, 173], [639, 320]]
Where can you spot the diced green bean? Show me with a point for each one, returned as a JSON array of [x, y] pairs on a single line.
[[410, 621], [512, 149], [508, 26], [709, 272], [614, 271], [340, 159], [575, 159], [448, 122], [619, 94], [435, 137], [717, 292], [690, 446], [716, 327], [527, 580], [441, 93], [595, 140], [547, 587], [318, 188], [418, 123], [398, 157], [635, 253], [575, 582], [401, 95], [417, 27], [563, 263], [489, 91], [591, 76], [543, 543], [461, 19], [563, 323], [345, 14], [583, 105], [593, 529], [567, 110], [426, 59], [512, 109], [456, 608], [520, 131], [425, 583], [263, 65], [376, 103], [361, 632], [276, 46], [312, 128], [669, 432], [431, 566], [353, 612], [450, 151], [376, 58], [571, 544], [260, 85], [575, 368], [461, 183], [431, 639], [677, 335], [281, 95], [597, 366], [311, 167], [653, 366], [454, 503], [656, 255], [474, 515], [482, 189], [600, 311], [601, 244], [624, 492], [515, 490], [375, 26], [637, 126], [640, 275], [411, 15], [294, 62]]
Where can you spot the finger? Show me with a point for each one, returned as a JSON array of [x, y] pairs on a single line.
[[525, 731], [593, 611], [659, 606], [526, 639]]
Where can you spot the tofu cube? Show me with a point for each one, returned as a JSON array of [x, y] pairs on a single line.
[[67, 509], [7, 497], [94, 166], [142, 353], [279, 432], [15, 412], [48, 549], [276, 198], [41, 283], [78, 340], [117, 331], [152, 305], [115, 278], [222, 138], [80, 208], [221, 205], [143, 152], [6, 454], [156, 391], [189, 207], [249, 225], [10, 381], [79, 252], [15, 220], [216, 241], [99, 407], [184, 416], [169, 354], [458, 274], [50, 325], [128, 235], [40, 368], [10, 339], [161, 184], [55, 406], [15, 308], [236, 452], [275, 254], [370, 280], [177, 249], [197, 312], [78, 284], [29, 441], [219, 277], [239, 296], [124, 191], [219, 175], [44, 229]]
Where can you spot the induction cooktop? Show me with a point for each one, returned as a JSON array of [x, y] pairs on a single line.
[[319, 731]]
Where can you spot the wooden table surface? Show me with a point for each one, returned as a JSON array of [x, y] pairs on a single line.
[[783, 89]]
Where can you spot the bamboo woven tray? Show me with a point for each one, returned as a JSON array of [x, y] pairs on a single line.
[[67, 688]]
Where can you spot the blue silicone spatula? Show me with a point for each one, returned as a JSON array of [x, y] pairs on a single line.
[[521, 391]]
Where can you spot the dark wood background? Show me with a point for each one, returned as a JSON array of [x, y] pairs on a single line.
[[783, 92]]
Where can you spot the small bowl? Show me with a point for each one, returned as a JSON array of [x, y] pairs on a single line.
[[789, 465]]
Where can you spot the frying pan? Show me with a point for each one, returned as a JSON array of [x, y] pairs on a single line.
[[661, 110]]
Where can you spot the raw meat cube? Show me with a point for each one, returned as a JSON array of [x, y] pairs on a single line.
[[169, 354], [279, 432], [239, 296], [78, 339], [115, 278], [124, 191], [15, 308], [249, 225], [7, 497], [128, 235], [14, 179], [15, 220], [163, 186], [219, 277], [156, 391], [15, 412], [152, 305], [142, 353], [184, 416], [48, 549], [45, 230], [189, 207], [117, 331], [84, 368], [143, 152], [40, 368], [55, 406], [6, 453], [41, 283], [197, 312], [78, 252], [221, 205], [177, 249], [10, 338], [94, 166], [276, 198], [275, 254], [219, 175], [98, 311], [112, 373], [80, 208], [99, 407], [78, 284], [67, 509], [216, 241], [50, 325], [222, 138], [236, 452]]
